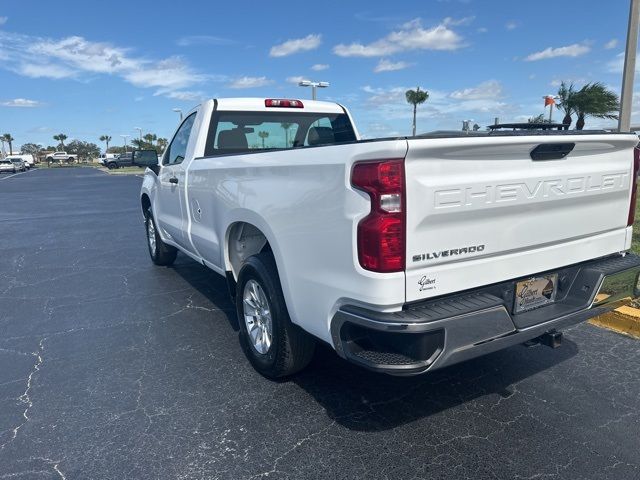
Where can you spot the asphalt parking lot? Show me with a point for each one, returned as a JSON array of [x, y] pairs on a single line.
[[113, 368]]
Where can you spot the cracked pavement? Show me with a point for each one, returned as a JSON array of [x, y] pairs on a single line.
[[113, 368]]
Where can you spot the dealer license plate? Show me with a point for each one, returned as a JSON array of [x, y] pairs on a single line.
[[535, 292]]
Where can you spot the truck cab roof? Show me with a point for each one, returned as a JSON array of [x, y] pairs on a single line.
[[260, 105]]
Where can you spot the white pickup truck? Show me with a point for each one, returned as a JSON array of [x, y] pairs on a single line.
[[62, 157], [404, 254]]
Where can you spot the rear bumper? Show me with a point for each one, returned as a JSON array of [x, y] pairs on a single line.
[[438, 333]]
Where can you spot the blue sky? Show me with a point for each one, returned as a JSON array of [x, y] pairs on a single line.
[[87, 69]]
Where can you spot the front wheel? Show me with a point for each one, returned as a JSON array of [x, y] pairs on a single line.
[[160, 253], [272, 343]]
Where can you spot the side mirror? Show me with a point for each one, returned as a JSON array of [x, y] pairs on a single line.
[[146, 158]]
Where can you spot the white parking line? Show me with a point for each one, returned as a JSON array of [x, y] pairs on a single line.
[[15, 174]]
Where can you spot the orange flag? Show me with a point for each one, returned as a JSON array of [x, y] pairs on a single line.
[[549, 101]]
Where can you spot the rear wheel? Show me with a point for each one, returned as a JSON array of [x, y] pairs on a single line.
[[160, 253], [272, 343], [111, 166]]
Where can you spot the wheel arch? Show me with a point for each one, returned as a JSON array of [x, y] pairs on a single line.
[[243, 239], [145, 202]]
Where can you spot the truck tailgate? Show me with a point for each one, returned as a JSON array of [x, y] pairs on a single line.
[[480, 210]]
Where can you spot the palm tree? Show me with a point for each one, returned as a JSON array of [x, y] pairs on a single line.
[[9, 139], [61, 137], [162, 143], [566, 103], [263, 135], [106, 139], [286, 126], [596, 101], [150, 138], [415, 98]]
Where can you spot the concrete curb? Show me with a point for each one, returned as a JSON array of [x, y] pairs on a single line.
[[625, 320]]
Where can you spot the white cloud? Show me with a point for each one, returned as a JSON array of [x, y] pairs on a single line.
[[75, 57], [440, 110], [613, 43], [310, 42], [249, 82], [385, 65], [45, 70], [3, 20], [556, 82], [21, 103], [318, 67], [482, 30], [192, 40], [491, 89], [411, 36], [296, 79], [574, 50], [183, 95], [511, 25], [172, 74], [458, 22], [617, 63], [85, 55]]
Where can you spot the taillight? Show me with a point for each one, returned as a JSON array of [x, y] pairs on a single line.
[[381, 234], [634, 187]]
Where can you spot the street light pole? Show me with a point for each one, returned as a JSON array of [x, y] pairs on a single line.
[[139, 133], [626, 98], [124, 137], [314, 86], [177, 110]]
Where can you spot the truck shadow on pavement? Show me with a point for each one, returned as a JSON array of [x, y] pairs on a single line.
[[361, 400]]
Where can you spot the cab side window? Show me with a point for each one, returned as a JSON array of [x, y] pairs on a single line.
[[177, 149]]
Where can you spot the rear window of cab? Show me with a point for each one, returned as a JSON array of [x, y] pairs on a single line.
[[238, 132]]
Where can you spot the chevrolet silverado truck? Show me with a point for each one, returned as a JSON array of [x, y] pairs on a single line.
[[406, 254]]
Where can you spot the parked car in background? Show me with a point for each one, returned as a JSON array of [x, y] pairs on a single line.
[[19, 158], [27, 158], [124, 160], [62, 157], [105, 157], [19, 163], [7, 165]]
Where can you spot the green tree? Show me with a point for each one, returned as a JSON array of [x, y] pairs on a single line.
[[161, 144], [115, 149], [596, 101], [566, 103], [61, 137], [31, 148], [263, 135], [85, 150], [9, 139], [415, 98], [286, 126], [537, 119], [106, 139], [150, 138]]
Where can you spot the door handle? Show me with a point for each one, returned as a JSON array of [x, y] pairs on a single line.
[[173, 180]]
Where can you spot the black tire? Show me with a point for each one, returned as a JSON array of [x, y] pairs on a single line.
[[164, 255], [111, 166], [291, 348]]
